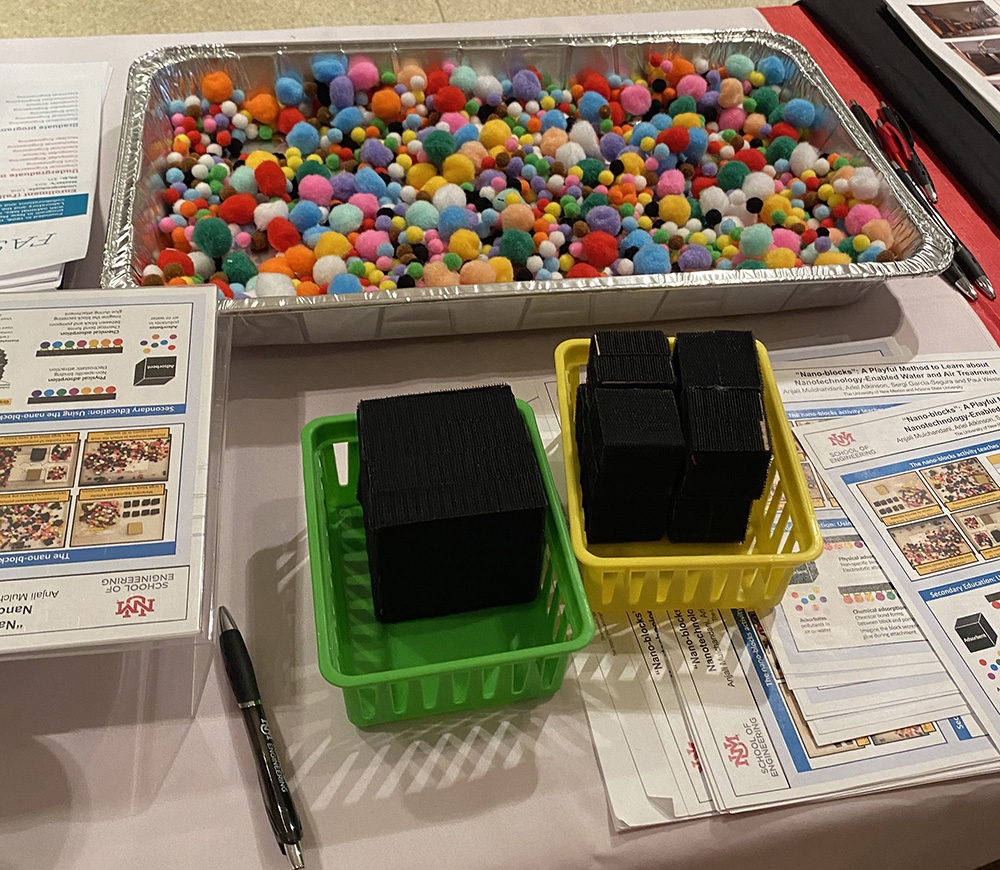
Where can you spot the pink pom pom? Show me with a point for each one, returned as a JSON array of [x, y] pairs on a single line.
[[362, 73], [787, 239], [368, 242], [692, 86], [208, 124], [189, 232], [383, 264], [166, 225], [367, 202], [859, 216], [435, 246], [454, 120], [316, 188], [671, 183], [732, 118], [636, 99], [243, 240], [666, 65]]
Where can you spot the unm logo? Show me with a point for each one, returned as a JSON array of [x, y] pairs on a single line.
[[135, 605], [738, 752], [841, 439]]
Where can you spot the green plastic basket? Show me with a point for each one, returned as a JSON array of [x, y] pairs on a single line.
[[391, 672]]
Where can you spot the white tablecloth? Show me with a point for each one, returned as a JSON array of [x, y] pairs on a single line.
[[139, 760]]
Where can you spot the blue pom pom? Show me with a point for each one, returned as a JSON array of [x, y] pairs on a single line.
[[635, 239], [452, 218], [311, 236], [553, 118], [629, 224], [237, 96], [345, 283], [347, 119], [326, 67], [174, 175], [288, 90], [590, 105], [306, 214], [367, 180], [641, 130], [651, 259], [772, 69], [303, 136], [799, 113], [662, 121], [413, 121], [175, 106], [697, 145], [466, 133]]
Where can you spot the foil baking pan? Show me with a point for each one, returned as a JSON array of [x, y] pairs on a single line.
[[172, 73]]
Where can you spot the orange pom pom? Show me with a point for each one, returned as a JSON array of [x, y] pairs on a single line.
[[276, 264], [264, 108], [301, 259], [216, 87], [307, 288], [386, 104]]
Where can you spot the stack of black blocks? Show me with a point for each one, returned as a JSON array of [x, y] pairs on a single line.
[[453, 502], [671, 445]]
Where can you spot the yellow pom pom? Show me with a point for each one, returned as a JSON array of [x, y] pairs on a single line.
[[332, 243], [645, 198], [494, 133], [387, 285], [675, 208], [633, 163], [554, 209], [294, 163], [399, 222], [547, 103], [315, 158], [375, 275], [698, 239], [414, 235], [503, 267], [358, 135], [526, 139], [566, 262], [408, 136], [405, 161], [756, 78], [292, 152], [780, 258], [832, 258], [723, 241], [808, 173], [730, 251], [605, 177], [648, 143], [835, 200], [433, 184], [511, 197], [458, 169], [861, 243], [575, 171], [645, 223], [824, 192], [775, 202], [255, 158], [687, 120], [419, 174], [289, 172], [465, 243]]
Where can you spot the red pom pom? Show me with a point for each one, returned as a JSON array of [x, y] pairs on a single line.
[[488, 163], [714, 147], [676, 139], [288, 118], [171, 195], [783, 129], [281, 234], [655, 59], [223, 138], [597, 82], [270, 179], [200, 149], [436, 80], [617, 114], [238, 208], [172, 255], [583, 270], [829, 223], [809, 236], [754, 159], [840, 211], [223, 286], [449, 99], [700, 183], [812, 183], [346, 154], [601, 249], [189, 124], [201, 203]]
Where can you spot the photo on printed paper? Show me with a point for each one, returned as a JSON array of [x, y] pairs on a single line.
[[33, 520], [932, 545], [962, 484], [900, 499], [128, 456]]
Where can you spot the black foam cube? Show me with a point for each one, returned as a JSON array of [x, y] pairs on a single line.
[[976, 633], [723, 358], [709, 520], [630, 358], [453, 502], [729, 444]]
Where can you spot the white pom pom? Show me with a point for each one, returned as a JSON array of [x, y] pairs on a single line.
[[274, 284], [758, 184], [864, 184], [803, 157], [325, 268]]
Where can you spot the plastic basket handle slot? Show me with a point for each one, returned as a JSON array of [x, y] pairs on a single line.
[[398, 693], [429, 687], [519, 677], [611, 582], [367, 701], [460, 686], [491, 680]]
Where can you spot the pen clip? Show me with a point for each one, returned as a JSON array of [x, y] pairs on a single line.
[[894, 144], [896, 120]]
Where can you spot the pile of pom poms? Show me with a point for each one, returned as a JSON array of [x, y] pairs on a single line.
[[356, 179]]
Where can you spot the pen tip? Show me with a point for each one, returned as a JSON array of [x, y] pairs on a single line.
[[294, 853], [226, 621], [984, 285], [966, 288]]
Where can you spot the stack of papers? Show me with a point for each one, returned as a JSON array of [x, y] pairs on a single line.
[[50, 125], [834, 692]]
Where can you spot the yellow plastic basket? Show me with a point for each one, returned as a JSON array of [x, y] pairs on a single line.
[[783, 530]]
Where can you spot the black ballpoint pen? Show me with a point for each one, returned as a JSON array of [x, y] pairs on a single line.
[[917, 169], [273, 787]]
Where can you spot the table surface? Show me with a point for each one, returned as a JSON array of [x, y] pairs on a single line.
[[138, 759]]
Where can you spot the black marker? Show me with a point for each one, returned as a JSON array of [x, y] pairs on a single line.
[[277, 797]]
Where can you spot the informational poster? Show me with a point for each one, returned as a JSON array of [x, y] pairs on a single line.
[[104, 439]]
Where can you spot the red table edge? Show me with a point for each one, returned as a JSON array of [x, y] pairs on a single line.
[[958, 208]]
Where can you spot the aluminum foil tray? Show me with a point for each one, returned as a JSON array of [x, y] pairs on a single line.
[[169, 73]]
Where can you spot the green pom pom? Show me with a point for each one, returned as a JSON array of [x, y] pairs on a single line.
[[661, 236], [681, 105], [264, 133], [332, 161], [778, 216], [607, 125], [356, 267], [571, 210], [591, 169], [730, 176], [593, 201], [727, 134], [780, 149], [211, 235], [239, 268], [750, 264], [516, 246], [841, 162], [777, 114], [438, 145], [453, 261], [626, 209], [219, 171], [388, 77], [415, 270], [735, 233], [739, 66], [766, 99], [696, 211], [749, 105]]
